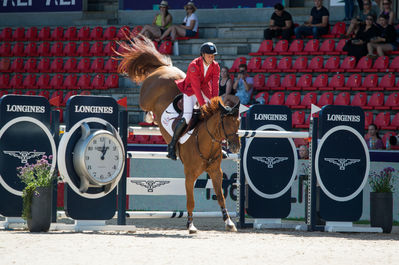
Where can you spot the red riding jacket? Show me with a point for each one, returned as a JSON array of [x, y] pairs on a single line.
[[195, 82]]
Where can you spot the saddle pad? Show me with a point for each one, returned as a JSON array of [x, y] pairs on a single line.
[[167, 118]]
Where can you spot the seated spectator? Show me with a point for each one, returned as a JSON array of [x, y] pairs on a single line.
[[317, 23], [361, 18], [387, 10], [160, 23], [225, 83], [189, 26], [281, 24], [243, 84], [373, 138], [386, 39], [358, 45], [303, 152]]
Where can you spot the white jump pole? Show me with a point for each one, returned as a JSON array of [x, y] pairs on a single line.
[[173, 214], [162, 155]]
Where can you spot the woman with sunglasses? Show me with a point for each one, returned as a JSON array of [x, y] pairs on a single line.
[[160, 24], [386, 9], [189, 26], [360, 19]]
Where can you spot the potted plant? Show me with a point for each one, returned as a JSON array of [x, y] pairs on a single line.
[[37, 194], [381, 200]]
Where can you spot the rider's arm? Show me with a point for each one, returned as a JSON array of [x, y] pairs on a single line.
[[193, 73], [215, 81]]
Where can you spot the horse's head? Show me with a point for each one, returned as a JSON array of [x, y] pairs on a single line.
[[230, 124]]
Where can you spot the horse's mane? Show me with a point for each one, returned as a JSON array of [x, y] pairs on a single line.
[[211, 108], [140, 58]]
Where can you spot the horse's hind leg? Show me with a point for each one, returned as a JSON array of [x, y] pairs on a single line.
[[190, 203], [217, 179]]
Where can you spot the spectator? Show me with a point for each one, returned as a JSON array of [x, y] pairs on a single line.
[[160, 23], [385, 41], [360, 4], [386, 9], [361, 18], [189, 26], [303, 152], [281, 24], [317, 23], [349, 7], [358, 46], [243, 84], [225, 83], [373, 138]]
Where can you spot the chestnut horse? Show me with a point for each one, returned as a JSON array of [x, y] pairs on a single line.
[[202, 151]]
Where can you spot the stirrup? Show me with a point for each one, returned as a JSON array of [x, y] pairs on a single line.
[[171, 152]]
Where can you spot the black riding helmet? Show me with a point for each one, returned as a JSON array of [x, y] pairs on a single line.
[[208, 48]]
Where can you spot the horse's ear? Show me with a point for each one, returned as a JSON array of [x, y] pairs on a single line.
[[223, 110]]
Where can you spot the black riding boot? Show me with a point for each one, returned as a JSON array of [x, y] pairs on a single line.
[[180, 127]]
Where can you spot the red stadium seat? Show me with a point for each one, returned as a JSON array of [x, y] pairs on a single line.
[[298, 118], [30, 93], [57, 65], [383, 121], [368, 119], [44, 65], [111, 66], [304, 82], [281, 46], [265, 48], [71, 34], [309, 99], [57, 34], [87, 93], [16, 81], [43, 82], [98, 82], [321, 82], [327, 98], [296, 47], [31, 66], [18, 49], [157, 139], [57, 49], [110, 33], [5, 65], [337, 82], [97, 66], [376, 101], [31, 49], [57, 81], [254, 64], [348, 64], [84, 82], [70, 82], [17, 92], [97, 49], [393, 101], [4, 81], [370, 82], [112, 81], [269, 65], [386, 137], [360, 100], [19, 34], [17, 66], [67, 96], [32, 34], [70, 49], [5, 49], [327, 47], [394, 66], [237, 62], [289, 82], [380, 65], [259, 82], [339, 48], [301, 64], [364, 65], [354, 82], [285, 64], [84, 65], [136, 30], [97, 33], [110, 48], [277, 98], [44, 34], [293, 100], [84, 33], [338, 29], [166, 47], [395, 121], [84, 49], [316, 64], [332, 64], [44, 49], [30, 82], [387, 82], [343, 99], [262, 98], [56, 98], [273, 82], [6, 34], [311, 47], [3, 93], [123, 33]]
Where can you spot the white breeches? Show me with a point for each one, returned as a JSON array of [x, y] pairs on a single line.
[[188, 105]]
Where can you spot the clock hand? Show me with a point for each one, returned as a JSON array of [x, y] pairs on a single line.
[[104, 151]]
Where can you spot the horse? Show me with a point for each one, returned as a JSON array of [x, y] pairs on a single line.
[[218, 121]]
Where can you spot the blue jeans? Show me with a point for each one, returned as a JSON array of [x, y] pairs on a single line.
[[305, 31], [349, 7]]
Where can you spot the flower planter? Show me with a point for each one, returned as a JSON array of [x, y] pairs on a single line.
[[40, 210], [381, 208]]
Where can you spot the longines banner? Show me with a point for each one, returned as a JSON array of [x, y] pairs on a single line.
[[40, 5], [203, 4]]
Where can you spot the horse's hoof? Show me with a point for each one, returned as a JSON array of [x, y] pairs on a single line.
[[230, 226], [192, 229]]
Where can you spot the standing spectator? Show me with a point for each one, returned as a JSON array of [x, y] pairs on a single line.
[[385, 41], [373, 138], [189, 26], [360, 4], [358, 46], [160, 23], [387, 10], [281, 24], [303, 152], [243, 84], [317, 23], [225, 83], [349, 7], [361, 18]]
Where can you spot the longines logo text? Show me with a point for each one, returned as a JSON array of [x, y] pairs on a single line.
[[342, 162], [25, 108], [270, 161], [270, 117], [94, 109], [29, 2], [337, 117]]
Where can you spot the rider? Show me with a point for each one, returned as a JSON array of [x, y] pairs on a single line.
[[200, 85]]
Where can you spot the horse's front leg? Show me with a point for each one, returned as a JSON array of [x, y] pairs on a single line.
[[217, 180], [190, 203]]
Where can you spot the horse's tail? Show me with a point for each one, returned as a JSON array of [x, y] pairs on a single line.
[[140, 58]]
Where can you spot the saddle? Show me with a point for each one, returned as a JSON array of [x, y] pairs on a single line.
[[178, 106]]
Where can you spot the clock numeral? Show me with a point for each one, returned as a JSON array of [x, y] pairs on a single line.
[[94, 141], [87, 157], [114, 167], [88, 167], [101, 176], [109, 174], [94, 174], [109, 141], [90, 148], [102, 139], [114, 148], [116, 157]]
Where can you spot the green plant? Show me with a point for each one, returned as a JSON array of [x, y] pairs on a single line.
[[383, 181], [34, 176]]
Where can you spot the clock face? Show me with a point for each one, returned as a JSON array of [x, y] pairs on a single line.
[[103, 157]]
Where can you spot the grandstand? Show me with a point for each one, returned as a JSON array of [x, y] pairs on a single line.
[[59, 56]]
